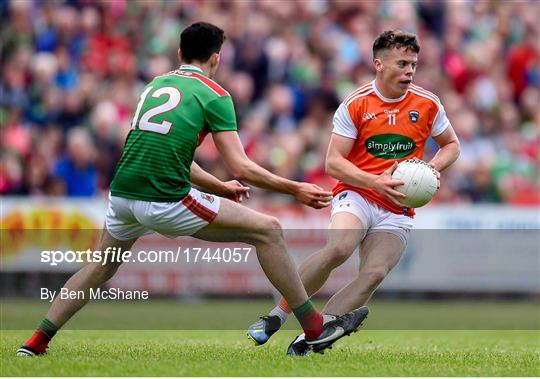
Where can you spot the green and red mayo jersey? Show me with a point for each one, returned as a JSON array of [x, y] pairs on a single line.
[[173, 114]]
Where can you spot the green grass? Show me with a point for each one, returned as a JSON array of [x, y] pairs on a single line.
[[22, 314], [228, 353], [427, 339]]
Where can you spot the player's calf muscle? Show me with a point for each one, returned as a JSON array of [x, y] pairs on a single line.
[[105, 272]]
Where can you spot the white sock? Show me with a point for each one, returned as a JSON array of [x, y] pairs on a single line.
[[277, 311]]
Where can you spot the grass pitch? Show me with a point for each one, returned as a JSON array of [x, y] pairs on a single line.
[[228, 353], [373, 351]]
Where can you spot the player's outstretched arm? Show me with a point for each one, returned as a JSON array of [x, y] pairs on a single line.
[[339, 167], [231, 149], [232, 189]]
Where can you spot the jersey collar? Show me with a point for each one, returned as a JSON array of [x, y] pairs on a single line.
[[386, 99], [190, 67]]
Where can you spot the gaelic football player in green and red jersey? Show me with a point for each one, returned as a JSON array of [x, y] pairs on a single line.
[[151, 191]]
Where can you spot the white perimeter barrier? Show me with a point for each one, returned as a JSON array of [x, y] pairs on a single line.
[[476, 248]]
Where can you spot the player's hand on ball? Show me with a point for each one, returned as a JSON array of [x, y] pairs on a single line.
[[312, 195], [438, 175], [234, 190], [421, 182], [384, 184]]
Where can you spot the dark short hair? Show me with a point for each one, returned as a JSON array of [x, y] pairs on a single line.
[[395, 38], [199, 41]]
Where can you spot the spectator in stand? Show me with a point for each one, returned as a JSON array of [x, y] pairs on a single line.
[[77, 168]]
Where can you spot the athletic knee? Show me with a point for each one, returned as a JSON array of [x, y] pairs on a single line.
[[374, 276], [268, 231], [272, 224], [334, 256]]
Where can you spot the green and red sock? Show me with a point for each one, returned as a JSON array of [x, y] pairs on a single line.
[[41, 337], [310, 319]]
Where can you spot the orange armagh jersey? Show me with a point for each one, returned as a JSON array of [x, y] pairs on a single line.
[[386, 131]]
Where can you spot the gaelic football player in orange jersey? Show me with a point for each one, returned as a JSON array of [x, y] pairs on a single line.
[[380, 124]]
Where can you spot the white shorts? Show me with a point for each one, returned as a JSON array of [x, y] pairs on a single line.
[[128, 219], [374, 218]]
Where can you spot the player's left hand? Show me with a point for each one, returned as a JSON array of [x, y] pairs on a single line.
[[438, 175], [312, 195], [234, 190]]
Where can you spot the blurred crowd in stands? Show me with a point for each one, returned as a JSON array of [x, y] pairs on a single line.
[[72, 71]]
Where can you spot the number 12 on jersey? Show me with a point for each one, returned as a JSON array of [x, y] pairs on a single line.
[[174, 98]]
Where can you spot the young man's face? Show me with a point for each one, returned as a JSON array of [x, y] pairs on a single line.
[[395, 68]]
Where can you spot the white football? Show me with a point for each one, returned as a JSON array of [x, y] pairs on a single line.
[[420, 182]]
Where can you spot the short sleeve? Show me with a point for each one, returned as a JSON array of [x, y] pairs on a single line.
[[219, 114], [343, 123], [440, 123]]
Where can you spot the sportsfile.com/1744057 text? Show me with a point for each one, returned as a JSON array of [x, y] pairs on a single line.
[[180, 255]]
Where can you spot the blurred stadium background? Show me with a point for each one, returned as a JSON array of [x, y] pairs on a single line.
[[72, 71]]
